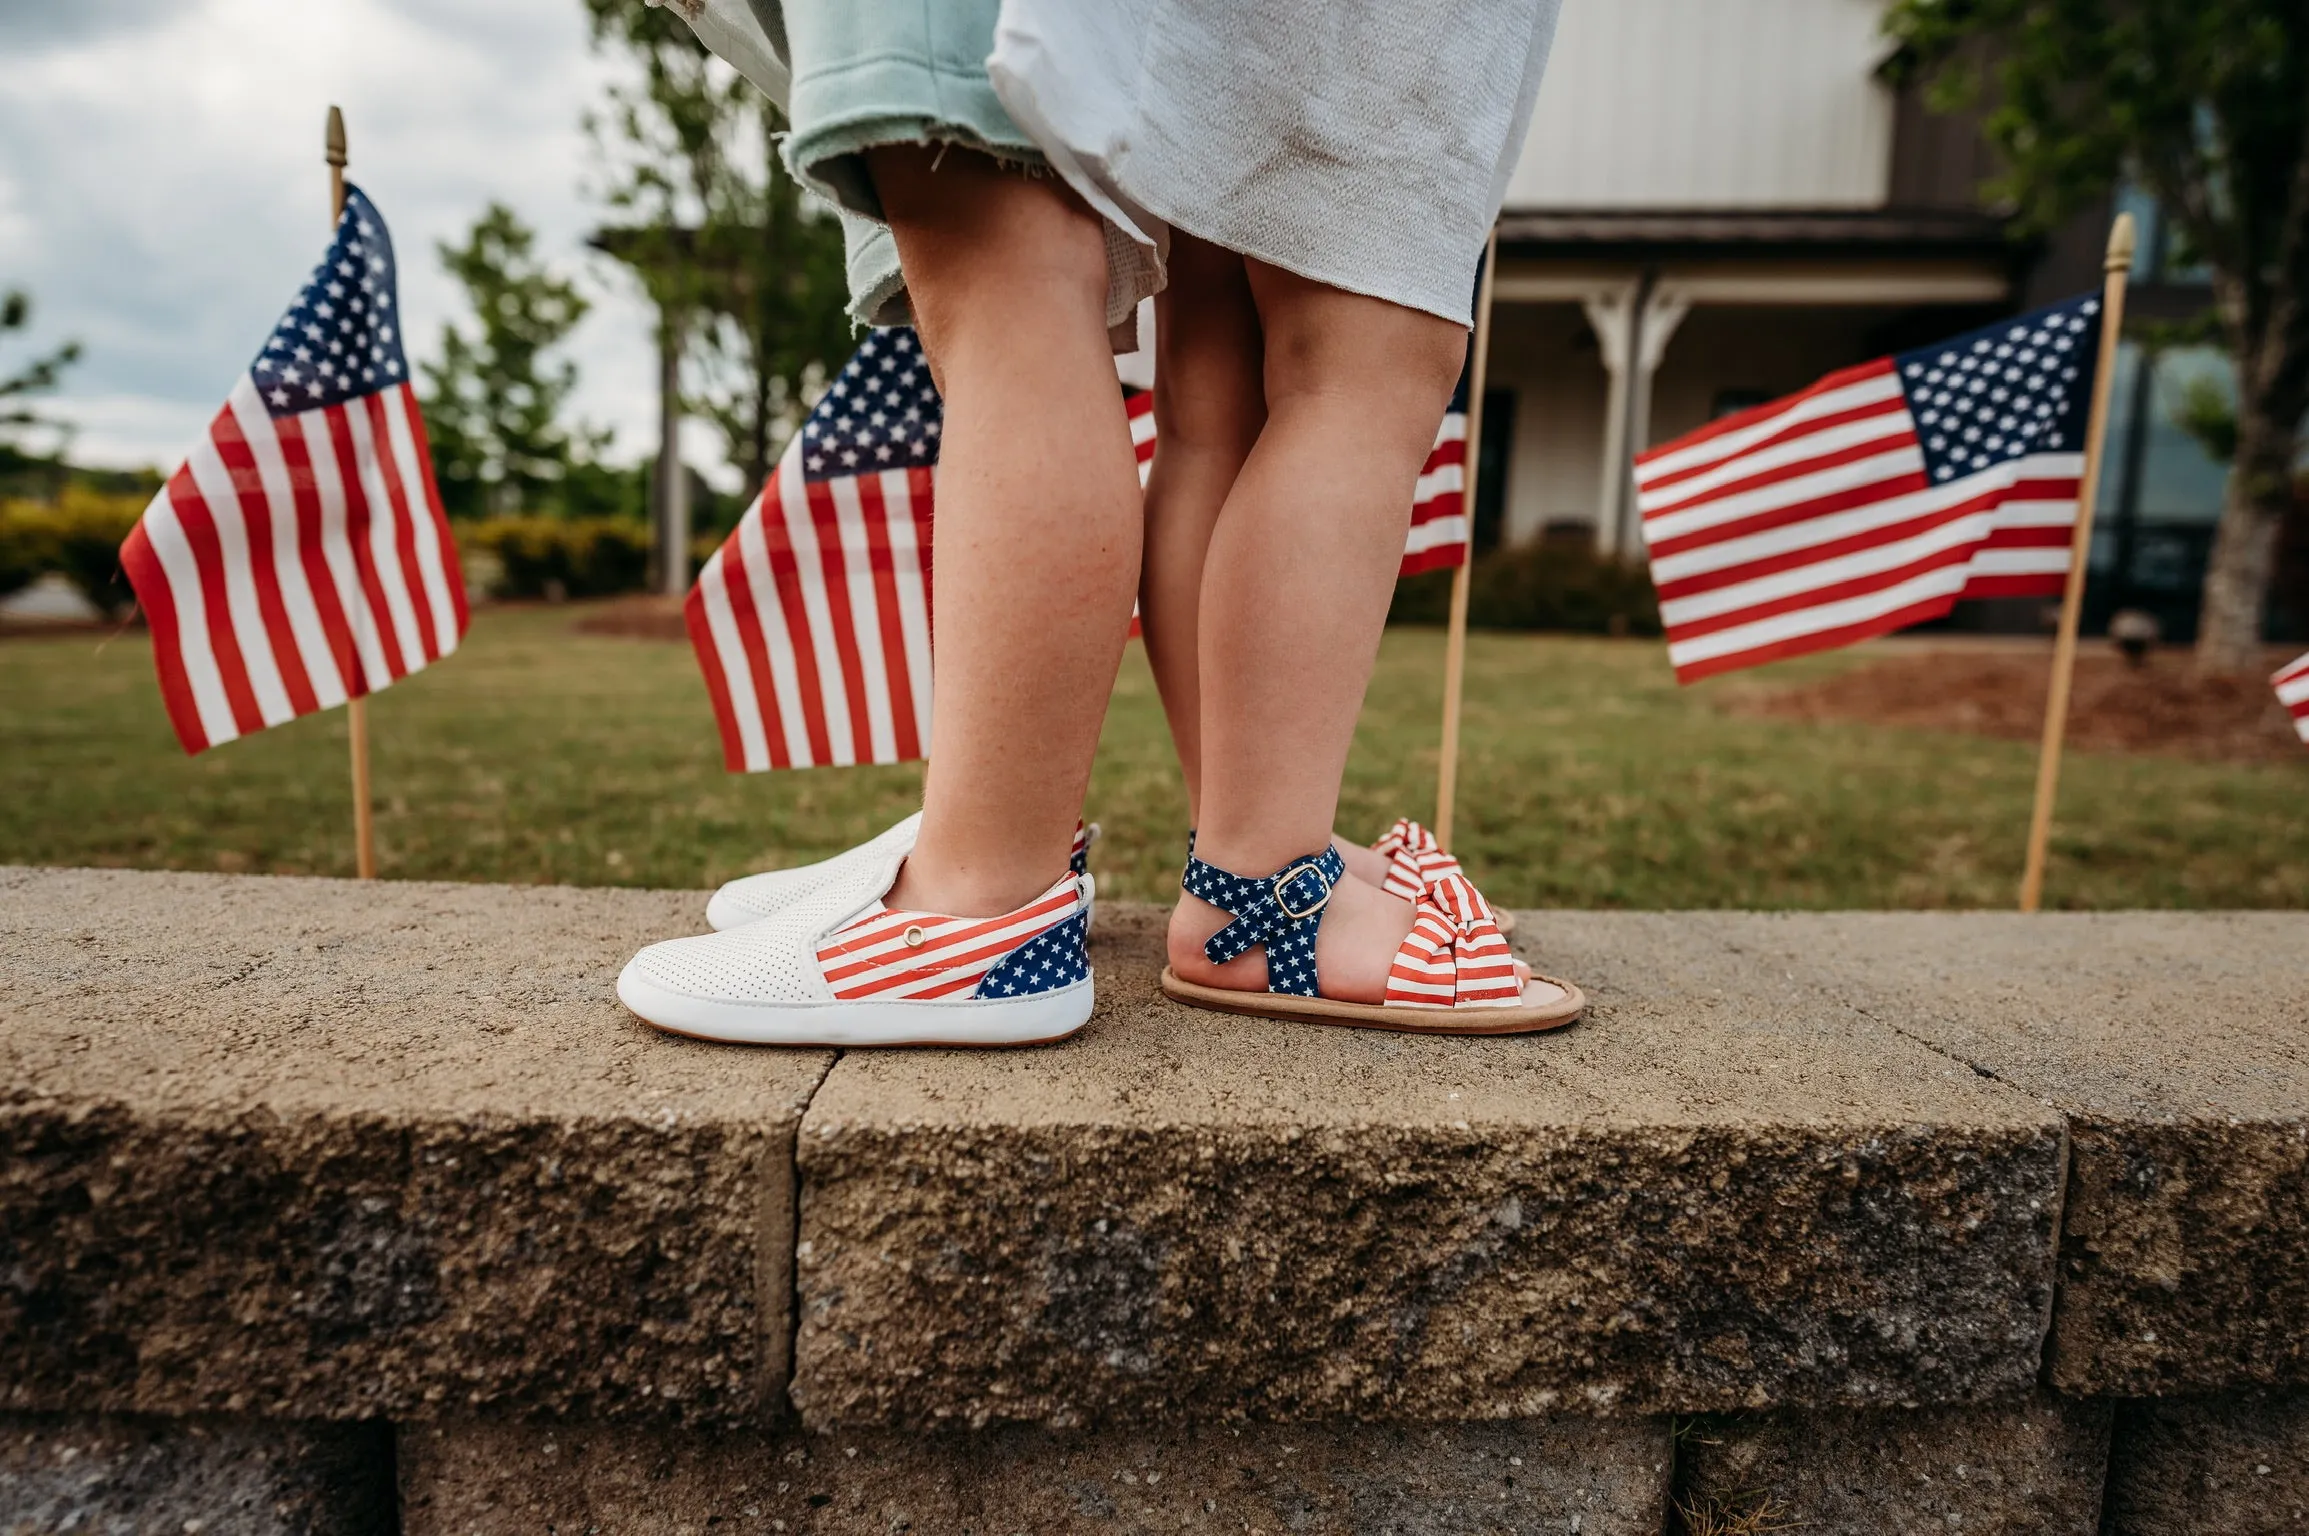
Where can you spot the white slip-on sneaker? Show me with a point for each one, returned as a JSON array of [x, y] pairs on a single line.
[[751, 898], [838, 967]]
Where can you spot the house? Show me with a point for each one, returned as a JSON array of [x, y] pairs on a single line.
[[1721, 200]]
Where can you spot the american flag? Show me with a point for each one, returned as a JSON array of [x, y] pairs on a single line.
[[2292, 684], [812, 621], [1877, 498], [299, 557], [1439, 521]]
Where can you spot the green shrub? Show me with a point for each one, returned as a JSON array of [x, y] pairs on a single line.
[[1562, 586], [77, 537], [27, 544], [556, 558], [90, 529]]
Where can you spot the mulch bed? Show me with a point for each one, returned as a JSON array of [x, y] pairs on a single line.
[[2161, 706], [63, 629], [636, 618]]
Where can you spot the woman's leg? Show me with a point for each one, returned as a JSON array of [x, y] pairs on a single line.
[[1210, 401], [1294, 596], [1037, 540]]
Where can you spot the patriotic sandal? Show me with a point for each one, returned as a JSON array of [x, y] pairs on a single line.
[[1454, 974], [1413, 855], [838, 967], [751, 898], [1414, 858]]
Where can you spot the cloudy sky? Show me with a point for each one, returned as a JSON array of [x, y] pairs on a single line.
[[162, 193]]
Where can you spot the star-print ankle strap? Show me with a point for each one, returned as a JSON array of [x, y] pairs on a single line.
[[1280, 912]]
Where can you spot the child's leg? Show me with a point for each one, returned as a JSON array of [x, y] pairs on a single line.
[[1037, 542], [1295, 593], [1210, 401]]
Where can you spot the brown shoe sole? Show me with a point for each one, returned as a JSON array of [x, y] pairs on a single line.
[[1411, 1021]]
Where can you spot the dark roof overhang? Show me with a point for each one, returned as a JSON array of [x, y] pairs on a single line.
[[1657, 232]]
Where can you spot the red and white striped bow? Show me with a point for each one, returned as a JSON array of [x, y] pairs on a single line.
[[1455, 956], [1415, 859]]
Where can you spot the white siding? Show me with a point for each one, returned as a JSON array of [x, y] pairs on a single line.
[[1546, 354], [1710, 104]]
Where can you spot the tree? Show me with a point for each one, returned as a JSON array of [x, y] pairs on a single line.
[[2205, 104], [661, 144], [34, 377], [728, 246], [776, 296], [493, 404]]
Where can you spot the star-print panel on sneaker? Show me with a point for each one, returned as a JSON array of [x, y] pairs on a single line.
[[891, 954], [1455, 955], [1052, 959], [1078, 857]]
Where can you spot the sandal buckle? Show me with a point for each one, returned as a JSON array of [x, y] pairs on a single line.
[[1282, 886]]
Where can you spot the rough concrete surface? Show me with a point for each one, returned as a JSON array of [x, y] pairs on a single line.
[[115, 1476], [1721, 1191], [1595, 1477], [2177, 1045], [308, 1148], [2028, 1468], [2234, 1465]]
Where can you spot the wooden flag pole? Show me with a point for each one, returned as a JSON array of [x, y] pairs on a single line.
[[356, 707], [1455, 638], [2118, 267]]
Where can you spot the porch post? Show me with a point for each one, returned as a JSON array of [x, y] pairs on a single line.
[[1612, 314], [1655, 324]]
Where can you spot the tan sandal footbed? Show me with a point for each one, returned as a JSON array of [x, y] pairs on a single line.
[[1519, 1020]]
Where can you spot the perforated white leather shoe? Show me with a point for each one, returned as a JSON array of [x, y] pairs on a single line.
[[750, 898], [836, 966]]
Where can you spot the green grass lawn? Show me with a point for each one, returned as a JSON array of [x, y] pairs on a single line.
[[1589, 779]]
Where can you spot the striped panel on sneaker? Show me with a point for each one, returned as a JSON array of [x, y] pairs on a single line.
[[921, 955], [1455, 955], [1078, 857]]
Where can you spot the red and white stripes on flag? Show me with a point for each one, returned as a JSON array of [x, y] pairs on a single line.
[[1877, 498], [299, 557], [812, 622], [2292, 684], [1439, 523], [1138, 405]]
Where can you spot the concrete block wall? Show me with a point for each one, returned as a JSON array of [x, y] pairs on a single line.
[[103, 1474], [346, 1208]]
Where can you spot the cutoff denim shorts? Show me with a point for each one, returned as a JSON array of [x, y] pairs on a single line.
[[874, 72]]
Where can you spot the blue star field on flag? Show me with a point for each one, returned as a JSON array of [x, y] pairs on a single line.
[[881, 412], [342, 338], [2020, 386]]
